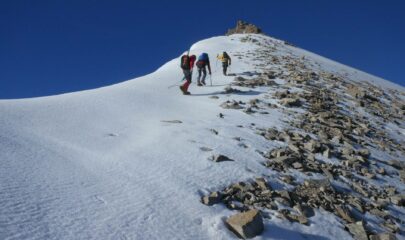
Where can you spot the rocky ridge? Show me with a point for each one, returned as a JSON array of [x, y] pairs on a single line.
[[329, 139]]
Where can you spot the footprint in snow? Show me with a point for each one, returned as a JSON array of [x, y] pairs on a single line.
[[100, 199], [112, 135], [205, 149], [172, 121]]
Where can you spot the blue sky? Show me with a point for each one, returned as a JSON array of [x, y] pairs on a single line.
[[55, 46]]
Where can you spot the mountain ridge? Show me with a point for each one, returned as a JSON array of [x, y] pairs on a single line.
[[118, 161]]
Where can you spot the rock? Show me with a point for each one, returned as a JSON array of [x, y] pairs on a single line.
[[246, 224], [220, 158], [261, 183], [297, 218], [312, 146], [317, 183], [344, 213], [214, 131], [231, 105], [284, 194], [356, 91], [383, 236], [305, 210], [290, 102], [397, 164], [326, 153], [402, 175], [293, 147], [364, 152], [249, 110], [398, 200], [213, 198], [357, 230], [297, 165], [244, 27], [229, 90]]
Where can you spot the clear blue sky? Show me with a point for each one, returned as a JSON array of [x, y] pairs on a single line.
[[56, 46]]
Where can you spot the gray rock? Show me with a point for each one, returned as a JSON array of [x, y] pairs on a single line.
[[213, 198], [357, 230], [290, 102], [402, 175], [244, 27], [326, 153], [383, 236], [344, 213], [305, 210], [397, 164], [398, 200], [220, 158], [297, 165], [246, 224], [262, 184]]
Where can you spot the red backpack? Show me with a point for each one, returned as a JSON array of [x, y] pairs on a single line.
[[185, 62]]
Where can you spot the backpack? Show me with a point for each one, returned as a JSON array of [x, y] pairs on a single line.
[[185, 62], [200, 63], [203, 57]]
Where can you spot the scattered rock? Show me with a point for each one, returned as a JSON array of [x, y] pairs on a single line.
[[220, 158], [357, 230], [290, 102], [213, 198], [398, 200], [383, 236], [246, 224]]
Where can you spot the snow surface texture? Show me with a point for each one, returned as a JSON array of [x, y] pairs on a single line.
[[111, 163]]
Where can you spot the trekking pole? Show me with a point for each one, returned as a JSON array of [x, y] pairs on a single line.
[[211, 80]]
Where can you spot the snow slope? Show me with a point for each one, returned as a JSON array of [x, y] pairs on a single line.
[[108, 163]]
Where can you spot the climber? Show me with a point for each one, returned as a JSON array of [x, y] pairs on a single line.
[[226, 61], [187, 64], [202, 63]]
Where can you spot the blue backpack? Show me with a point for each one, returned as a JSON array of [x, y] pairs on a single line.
[[203, 57]]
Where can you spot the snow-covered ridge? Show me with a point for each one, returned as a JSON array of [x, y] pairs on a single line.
[[130, 161]]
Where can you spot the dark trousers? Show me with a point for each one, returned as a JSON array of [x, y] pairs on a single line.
[[202, 70], [187, 75], [224, 67]]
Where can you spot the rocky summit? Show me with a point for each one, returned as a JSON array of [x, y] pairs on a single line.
[[244, 27]]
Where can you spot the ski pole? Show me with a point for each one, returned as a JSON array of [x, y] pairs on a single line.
[[211, 80]]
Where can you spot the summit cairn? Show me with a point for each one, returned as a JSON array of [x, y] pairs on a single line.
[[244, 27]]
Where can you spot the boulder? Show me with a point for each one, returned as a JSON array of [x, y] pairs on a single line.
[[357, 230], [246, 224]]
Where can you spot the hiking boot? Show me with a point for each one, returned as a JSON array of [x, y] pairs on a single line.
[[186, 93], [199, 84], [183, 90], [203, 82]]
